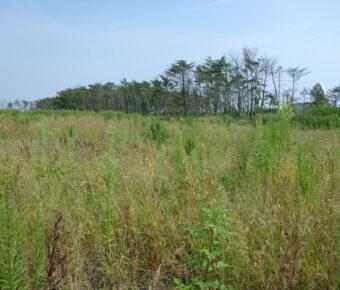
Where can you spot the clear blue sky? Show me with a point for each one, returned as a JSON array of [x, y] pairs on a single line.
[[46, 46]]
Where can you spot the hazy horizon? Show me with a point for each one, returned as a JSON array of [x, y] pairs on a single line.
[[48, 46]]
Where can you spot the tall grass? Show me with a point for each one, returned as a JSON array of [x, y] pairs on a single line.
[[318, 117], [105, 200]]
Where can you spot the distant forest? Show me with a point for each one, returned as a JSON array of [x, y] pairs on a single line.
[[244, 85]]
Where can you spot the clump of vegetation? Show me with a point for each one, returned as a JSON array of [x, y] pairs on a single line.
[[99, 200], [317, 117], [158, 132], [209, 262], [190, 142], [13, 271]]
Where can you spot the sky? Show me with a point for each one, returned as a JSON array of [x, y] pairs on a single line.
[[47, 46]]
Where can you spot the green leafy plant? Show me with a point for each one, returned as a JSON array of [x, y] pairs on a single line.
[[209, 262], [228, 181]]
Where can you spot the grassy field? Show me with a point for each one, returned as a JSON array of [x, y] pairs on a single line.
[[107, 200]]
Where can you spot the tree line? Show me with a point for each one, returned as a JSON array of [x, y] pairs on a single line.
[[243, 84]]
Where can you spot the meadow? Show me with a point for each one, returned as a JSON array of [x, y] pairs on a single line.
[[113, 201]]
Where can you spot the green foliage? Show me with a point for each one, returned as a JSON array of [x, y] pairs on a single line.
[[209, 263], [215, 86], [305, 173], [319, 96], [120, 116], [158, 132], [70, 131], [317, 117], [108, 115], [12, 260], [190, 142], [38, 260], [228, 181], [12, 263], [261, 151], [190, 121], [227, 119]]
